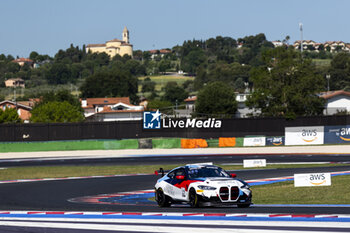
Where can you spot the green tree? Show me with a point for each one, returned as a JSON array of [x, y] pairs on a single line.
[[201, 78], [13, 67], [174, 93], [340, 72], [10, 115], [193, 60], [110, 83], [159, 104], [230, 73], [188, 85], [134, 67], [164, 65], [54, 112], [148, 85], [60, 96], [33, 55], [216, 99], [165, 107], [59, 73], [286, 86]]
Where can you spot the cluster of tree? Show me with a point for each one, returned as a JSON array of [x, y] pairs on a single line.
[[110, 82], [57, 107], [339, 72], [216, 100], [9, 115], [285, 83], [67, 66]]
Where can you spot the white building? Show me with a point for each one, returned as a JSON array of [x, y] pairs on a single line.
[[277, 43], [336, 101], [242, 110], [111, 109]]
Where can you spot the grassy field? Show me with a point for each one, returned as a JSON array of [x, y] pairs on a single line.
[[277, 193], [322, 62], [162, 80], [15, 173], [286, 193]]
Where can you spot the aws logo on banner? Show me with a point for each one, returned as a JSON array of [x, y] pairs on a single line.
[[277, 141], [317, 179], [309, 135], [345, 134]]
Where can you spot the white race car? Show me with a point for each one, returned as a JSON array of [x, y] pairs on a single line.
[[201, 185]]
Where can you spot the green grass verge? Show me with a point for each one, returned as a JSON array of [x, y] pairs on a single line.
[[277, 193], [286, 193], [69, 145], [37, 172]]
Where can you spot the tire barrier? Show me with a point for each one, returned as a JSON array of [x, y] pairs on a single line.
[[193, 143], [227, 142], [166, 143], [69, 145], [145, 143]]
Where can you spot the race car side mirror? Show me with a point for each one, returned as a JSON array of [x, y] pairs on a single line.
[[180, 177], [233, 175]]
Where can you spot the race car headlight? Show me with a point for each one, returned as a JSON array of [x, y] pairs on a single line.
[[245, 185], [203, 187]]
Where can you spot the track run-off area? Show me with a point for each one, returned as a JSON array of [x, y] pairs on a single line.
[[63, 205]]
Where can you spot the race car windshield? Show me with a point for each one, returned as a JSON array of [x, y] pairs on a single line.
[[207, 172]]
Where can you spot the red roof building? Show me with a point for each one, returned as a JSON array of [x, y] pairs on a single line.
[[336, 102], [111, 109]]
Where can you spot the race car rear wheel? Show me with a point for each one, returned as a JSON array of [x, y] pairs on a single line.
[[161, 199], [194, 199]]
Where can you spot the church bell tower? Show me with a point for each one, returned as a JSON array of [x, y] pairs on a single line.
[[126, 35]]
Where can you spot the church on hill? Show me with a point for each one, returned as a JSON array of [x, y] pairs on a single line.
[[113, 47]]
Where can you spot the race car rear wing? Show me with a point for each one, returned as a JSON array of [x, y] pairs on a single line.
[[160, 171]]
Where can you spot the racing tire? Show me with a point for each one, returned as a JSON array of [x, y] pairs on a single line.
[[162, 199], [246, 205], [194, 199]]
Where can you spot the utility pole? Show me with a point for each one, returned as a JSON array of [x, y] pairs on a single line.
[[301, 35], [328, 76]]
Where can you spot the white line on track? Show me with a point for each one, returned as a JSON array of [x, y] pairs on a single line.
[[291, 163], [176, 225]]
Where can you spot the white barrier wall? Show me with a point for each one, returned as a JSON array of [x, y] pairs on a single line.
[[308, 135], [254, 163], [254, 141]]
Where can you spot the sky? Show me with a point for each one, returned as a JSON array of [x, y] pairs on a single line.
[[45, 26]]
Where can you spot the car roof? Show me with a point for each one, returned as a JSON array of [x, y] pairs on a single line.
[[200, 165], [196, 166]]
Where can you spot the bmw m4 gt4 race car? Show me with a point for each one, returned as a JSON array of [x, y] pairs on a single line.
[[201, 185]]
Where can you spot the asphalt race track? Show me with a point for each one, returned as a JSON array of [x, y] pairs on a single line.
[[178, 159], [54, 195]]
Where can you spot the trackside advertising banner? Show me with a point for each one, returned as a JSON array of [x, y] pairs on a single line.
[[315, 179], [308, 135], [254, 141], [337, 134], [274, 141]]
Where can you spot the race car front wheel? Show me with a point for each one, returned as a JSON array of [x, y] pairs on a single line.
[[161, 199], [194, 199]]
